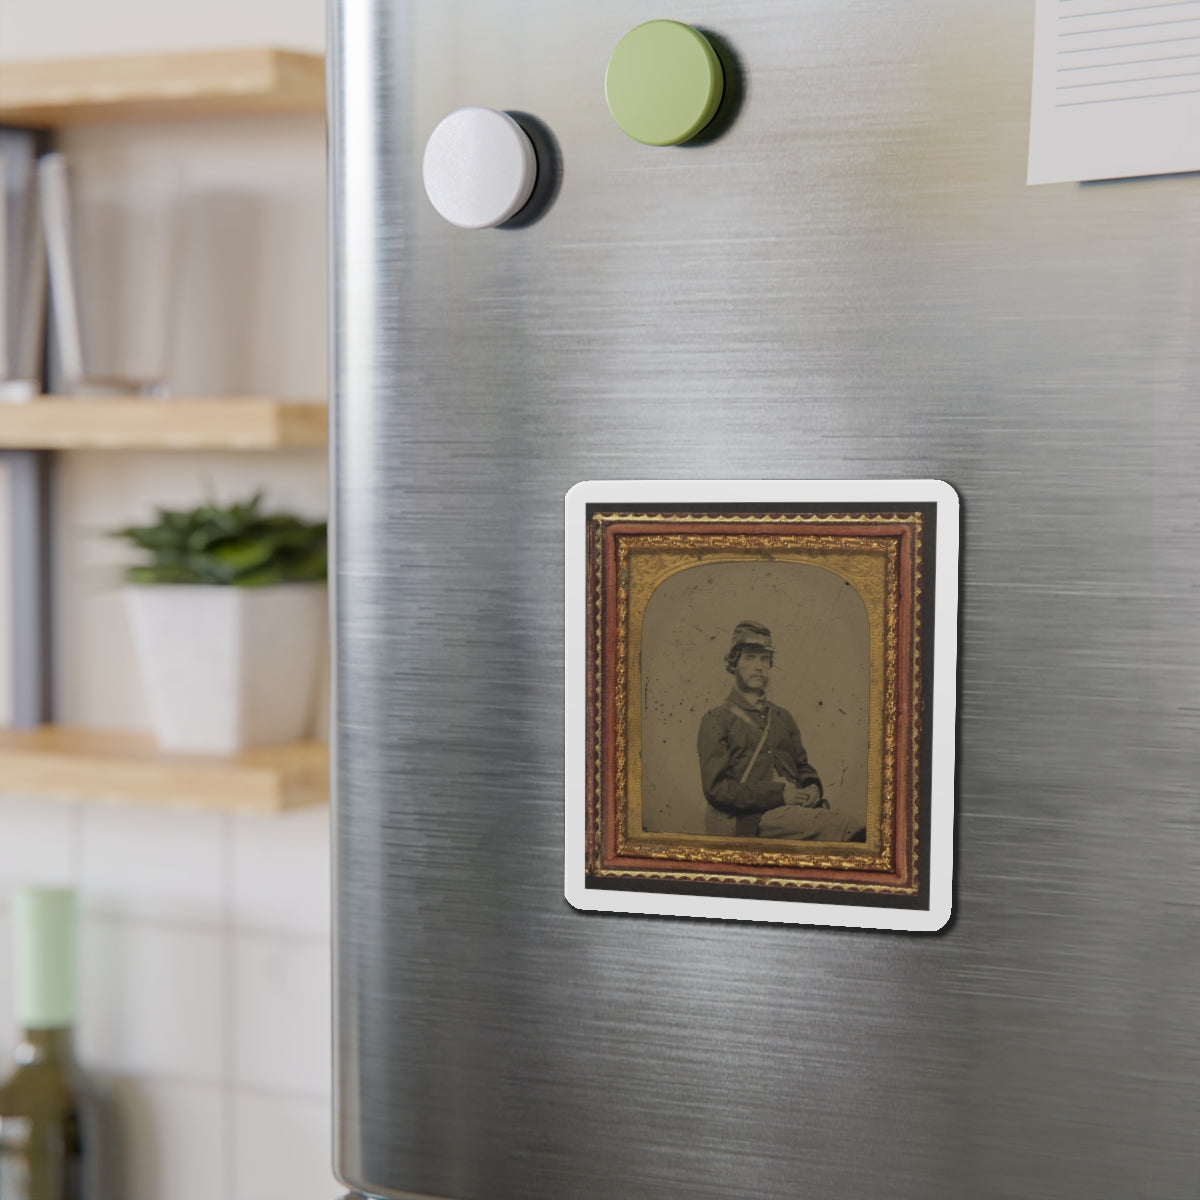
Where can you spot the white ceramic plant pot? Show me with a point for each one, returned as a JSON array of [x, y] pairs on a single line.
[[226, 668]]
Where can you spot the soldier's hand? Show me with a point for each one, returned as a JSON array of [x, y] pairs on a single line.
[[807, 797], [811, 796]]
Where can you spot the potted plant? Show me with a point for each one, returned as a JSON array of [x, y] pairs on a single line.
[[228, 621]]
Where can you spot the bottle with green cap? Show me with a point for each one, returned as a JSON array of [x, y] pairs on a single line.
[[43, 1129]]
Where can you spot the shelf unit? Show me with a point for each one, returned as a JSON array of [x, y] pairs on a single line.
[[78, 764], [217, 83], [225, 423], [85, 764]]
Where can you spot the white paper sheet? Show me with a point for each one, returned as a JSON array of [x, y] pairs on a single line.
[[1116, 89]]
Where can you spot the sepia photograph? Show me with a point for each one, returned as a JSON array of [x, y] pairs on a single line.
[[758, 701]]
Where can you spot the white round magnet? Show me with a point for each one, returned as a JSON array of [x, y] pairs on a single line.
[[479, 168]]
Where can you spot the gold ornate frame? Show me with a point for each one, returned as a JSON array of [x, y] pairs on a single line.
[[884, 556]]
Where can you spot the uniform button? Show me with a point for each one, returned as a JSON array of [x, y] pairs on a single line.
[[479, 168], [664, 83]]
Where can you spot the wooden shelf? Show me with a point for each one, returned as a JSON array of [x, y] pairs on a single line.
[[228, 423], [161, 86], [81, 764]]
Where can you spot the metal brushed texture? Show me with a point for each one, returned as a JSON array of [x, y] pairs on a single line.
[[853, 280]]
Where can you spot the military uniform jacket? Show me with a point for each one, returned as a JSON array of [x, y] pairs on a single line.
[[728, 736]]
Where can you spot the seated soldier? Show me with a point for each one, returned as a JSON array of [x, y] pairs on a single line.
[[755, 772]]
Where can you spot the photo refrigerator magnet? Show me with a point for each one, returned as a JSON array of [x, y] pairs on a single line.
[[760, 700]]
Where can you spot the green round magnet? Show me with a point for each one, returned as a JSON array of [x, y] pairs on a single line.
[[664, 83]]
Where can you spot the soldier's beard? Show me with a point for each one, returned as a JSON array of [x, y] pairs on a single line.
[[753, 683]]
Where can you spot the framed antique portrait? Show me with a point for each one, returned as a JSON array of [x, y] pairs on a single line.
[[761, 683]]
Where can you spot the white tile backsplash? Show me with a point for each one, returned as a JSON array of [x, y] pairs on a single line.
[[155, 1000], [204, 988], [282, 1150], [156, 864], [38, 842], [281, 1015], [171, 1140], [281, 872]]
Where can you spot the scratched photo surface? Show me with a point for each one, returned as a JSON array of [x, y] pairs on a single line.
[[821, 676]]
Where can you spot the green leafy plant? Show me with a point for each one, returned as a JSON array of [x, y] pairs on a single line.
[[237, 546]]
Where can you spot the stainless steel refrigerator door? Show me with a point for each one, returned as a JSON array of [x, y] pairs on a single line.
[[853, 280]]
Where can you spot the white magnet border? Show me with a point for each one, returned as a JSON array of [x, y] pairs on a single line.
[[881, 492]]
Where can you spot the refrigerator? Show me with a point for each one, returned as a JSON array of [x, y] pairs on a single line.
[[842, 277]]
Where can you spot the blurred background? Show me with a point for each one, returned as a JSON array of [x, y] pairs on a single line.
[[204, 944]]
